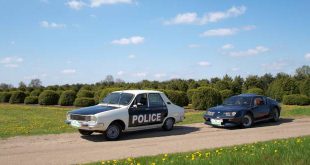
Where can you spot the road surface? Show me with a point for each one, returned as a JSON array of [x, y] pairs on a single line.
[[73, 148]]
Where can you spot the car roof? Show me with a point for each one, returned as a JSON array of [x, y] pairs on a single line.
[[138, 91], [249, 95]]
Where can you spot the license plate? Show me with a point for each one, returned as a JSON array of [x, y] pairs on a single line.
[[75, 123], [216, 121]]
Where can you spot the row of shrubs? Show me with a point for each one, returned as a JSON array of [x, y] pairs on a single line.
[[200, 98]]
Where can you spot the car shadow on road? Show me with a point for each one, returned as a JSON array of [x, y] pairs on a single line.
[[268, 123], [151, 133]]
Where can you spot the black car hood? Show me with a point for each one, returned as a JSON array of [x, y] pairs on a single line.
[[228, 108], [92, 110]]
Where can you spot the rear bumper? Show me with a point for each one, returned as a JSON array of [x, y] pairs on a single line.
[[227, 122], [86, 125]]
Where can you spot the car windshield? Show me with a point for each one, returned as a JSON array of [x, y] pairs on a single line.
[[118, 98], [237, 100]]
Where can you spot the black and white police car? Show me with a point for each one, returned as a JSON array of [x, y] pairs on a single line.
[[128, 110]]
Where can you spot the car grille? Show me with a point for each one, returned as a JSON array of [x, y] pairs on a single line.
[[79, 117]]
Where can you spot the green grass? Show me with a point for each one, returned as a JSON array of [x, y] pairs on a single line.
[[286, 151], [16, 120]]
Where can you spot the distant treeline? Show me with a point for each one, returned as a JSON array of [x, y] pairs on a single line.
[[201, 94]]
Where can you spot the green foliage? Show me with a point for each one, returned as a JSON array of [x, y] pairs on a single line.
[[296, 99], [17, 97], [5, 97], [205, 98], [190, 94], [252, 82], [226, 93], [31, 100], [107, 91], [84, 102], [67, 98], [257, 91], [177, 97], [35, 92], [48, 97], [85, 93], [281, 87], [305, 87]]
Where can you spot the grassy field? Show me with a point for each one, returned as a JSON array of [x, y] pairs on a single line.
[[285, 151], [16, 120]]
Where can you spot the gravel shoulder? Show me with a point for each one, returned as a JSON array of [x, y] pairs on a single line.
[[72, 148]]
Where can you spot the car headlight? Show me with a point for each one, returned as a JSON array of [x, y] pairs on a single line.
[[230, 114], [68, 116], [210, 113], [93, 118]]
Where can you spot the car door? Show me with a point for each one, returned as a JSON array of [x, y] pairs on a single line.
[[143, 114], [260, 108]]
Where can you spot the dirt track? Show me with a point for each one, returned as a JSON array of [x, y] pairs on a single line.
[[72, 148]]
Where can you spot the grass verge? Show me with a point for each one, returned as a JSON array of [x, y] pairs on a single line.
[[285, 151]]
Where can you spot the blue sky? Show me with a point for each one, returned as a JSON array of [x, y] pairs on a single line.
[[82, 41]]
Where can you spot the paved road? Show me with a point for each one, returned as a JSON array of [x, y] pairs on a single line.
[[73, 148]]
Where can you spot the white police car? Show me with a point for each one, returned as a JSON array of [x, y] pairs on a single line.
[[128, 110]]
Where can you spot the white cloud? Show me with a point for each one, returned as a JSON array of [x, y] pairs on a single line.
[[249, 27], [120, 73], [54, 25], [11, 62], [98, 3], [132, 56], [160, 75], [76, 4], [131, 40], [277, 65], [235, 69], [192, 17], [140, 74], [307, 56], [250, 52], [12, 42], [204, 63], [227, 46], [220, 32], [68, 71], [193, 46]]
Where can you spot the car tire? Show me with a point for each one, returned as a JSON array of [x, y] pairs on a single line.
[[275, 115], [247, 121], [169, 124], [113, 132], [85, 132]]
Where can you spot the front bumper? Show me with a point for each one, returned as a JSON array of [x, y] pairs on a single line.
[[84, 125], [226, 121]]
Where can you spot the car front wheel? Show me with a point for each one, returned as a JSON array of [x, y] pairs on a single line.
[[113, 132], [85, 132], [169, 124], [247, 121]]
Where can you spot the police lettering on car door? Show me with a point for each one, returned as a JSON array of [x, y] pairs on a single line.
[[147, 109]]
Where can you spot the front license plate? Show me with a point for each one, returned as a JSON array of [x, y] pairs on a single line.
[[75, 123], [216, 121]]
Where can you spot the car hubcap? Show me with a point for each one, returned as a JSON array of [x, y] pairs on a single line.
[[247, 121], [275, 115], [113, 132]]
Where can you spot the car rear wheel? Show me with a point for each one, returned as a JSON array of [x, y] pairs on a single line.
[[85, 132], [247, 121], [169, 124], [275, 115], [113, 132]]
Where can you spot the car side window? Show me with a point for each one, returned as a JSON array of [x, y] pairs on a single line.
[[141, 100], [155, 100], [259, 101]]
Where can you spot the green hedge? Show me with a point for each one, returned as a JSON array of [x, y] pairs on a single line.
[[305, 87], [205, 98], [67, 98], [5, 97], [31, 100], [190, 94], [85, 93], [296, 99], [48, 97], [226, 93], [35, 92], [84, 102], [17, 97], [257, 91], [177, 97]]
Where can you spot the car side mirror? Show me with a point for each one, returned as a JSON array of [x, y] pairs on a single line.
[[137, 105]]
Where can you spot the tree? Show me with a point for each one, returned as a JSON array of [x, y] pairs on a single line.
[[266, 80], [109, 79], [237, 84], [281, 87], [22, 86], [302, 72], [35, 83], [252, 81], [4, 86]]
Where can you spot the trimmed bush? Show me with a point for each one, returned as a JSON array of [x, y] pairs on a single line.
[[283, 86], [85, 93], [31, 100], [296, 99], [205, 98], [226, 93], [84, 102], [190, 94], [5, 97], [67, 98], [177, 97], [48, 97], [35, 92], [107, 91], [17, 97], [257, 91]]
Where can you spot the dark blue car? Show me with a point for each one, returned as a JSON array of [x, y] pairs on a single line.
[[243, 110]]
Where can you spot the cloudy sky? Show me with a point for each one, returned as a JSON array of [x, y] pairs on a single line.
[[82, 41]]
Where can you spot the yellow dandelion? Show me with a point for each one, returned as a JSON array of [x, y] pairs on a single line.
[[163, 159], [166, 155], [102, 162], [153, 164], [138, 164], [275, 151]]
